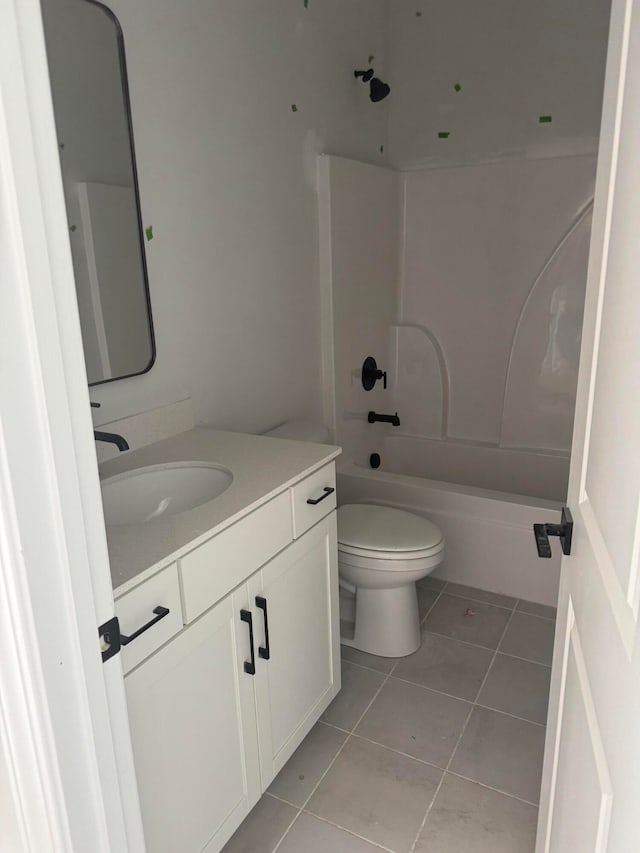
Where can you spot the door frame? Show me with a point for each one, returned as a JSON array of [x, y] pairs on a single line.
[[64, 736]]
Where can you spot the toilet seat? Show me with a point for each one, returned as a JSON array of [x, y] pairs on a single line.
[[381, 533]]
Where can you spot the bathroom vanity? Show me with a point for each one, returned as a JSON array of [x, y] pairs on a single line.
[[241, 655]]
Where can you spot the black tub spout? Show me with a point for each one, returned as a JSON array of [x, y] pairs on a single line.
[[374, 417]]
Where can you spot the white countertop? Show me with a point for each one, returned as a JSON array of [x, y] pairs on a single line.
[[262, 467]]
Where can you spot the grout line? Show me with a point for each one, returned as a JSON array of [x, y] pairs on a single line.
[[364, 666], [507, 714], [281, 800], [438, 767], [526, 660], [491, 788], [487, 603], [535, 615], [350, 831], [464, 642], [458, 742], [429, 609], [333, 726]]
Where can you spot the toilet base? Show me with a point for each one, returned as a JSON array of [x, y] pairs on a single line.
[[387, 622]]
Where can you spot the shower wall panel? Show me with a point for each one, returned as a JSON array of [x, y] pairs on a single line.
[[488, 251]]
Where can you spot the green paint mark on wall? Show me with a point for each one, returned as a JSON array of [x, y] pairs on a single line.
[[458, 87], [294, 108], [382, 149], [418, 14], [444, 134], [306, 4], [371, 58], [545, 119], [149, 232], [73, 228]]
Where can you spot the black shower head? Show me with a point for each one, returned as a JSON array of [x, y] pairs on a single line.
[[378, 89]]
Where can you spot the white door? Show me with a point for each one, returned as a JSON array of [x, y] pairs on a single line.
[[590, 798], [298, 669], [193, 727]]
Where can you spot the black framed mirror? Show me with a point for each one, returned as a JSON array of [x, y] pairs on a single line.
[[88, 73]]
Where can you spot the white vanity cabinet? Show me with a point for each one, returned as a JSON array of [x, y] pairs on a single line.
[[193, 729], [299, 593], [217, 711]]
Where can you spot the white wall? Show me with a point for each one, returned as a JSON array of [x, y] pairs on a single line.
[[514, 61], [227, 178], [359, 207]]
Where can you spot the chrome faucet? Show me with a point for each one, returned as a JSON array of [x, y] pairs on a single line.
[[110, 437]]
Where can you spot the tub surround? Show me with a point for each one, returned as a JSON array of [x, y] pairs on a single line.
[[262, 468]]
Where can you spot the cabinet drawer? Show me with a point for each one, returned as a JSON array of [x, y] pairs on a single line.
[[306, 514], [219, 565], [135, 609]]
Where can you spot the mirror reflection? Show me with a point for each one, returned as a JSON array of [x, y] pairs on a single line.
[[87, 68]]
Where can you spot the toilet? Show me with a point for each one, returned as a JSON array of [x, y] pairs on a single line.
[[382, 552]]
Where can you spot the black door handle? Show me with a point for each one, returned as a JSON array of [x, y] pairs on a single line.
[[564, 531], [249, 666], [328, 490], [160, 612], [264, 651]]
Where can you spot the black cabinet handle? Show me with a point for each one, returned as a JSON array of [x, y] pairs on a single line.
[[328, 490], [160, 612], [249, 666], [264, 651]]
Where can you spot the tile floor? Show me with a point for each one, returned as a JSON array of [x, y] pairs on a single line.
[[439, 752]]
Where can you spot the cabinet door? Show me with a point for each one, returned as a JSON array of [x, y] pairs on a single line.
[[193, 728], [302, 673]]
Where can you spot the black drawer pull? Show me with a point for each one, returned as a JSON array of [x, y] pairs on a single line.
[[160, 612], [249, 666], [328, 490], [264, 651]]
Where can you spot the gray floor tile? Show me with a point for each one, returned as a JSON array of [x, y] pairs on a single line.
[[371, 661], [446, 665], [311, 835], [376, 793], [483, 625], [416, 721], [467, 817], [518, 687], [426, 599], [359, 686], [502, 752], [534, 609], [529, 637], [303, 770], [480, 595], [263, 828], [429, 582]]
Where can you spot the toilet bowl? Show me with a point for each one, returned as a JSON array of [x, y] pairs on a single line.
[[382, 552]]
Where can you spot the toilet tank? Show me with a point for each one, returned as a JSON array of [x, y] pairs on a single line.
[[301, 431]]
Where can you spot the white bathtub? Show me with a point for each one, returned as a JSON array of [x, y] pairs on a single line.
[[489, 534]]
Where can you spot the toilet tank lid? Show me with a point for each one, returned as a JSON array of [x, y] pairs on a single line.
[[301, 431], [383, 528]]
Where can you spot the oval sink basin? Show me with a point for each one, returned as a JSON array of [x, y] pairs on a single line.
[[146, 494]]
